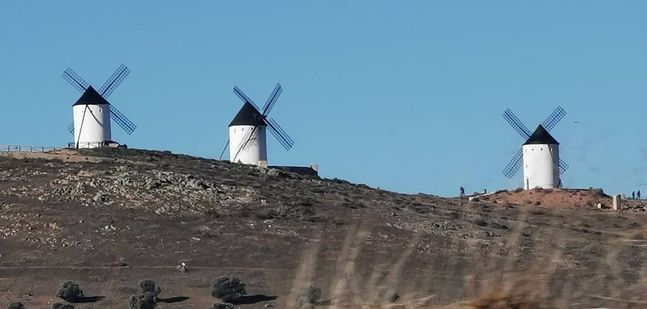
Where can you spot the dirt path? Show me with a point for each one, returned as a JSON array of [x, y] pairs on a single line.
[[344, 283], [305, 273]]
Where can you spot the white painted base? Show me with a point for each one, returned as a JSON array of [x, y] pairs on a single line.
[[540, 166], [91, 125], [254, 151]]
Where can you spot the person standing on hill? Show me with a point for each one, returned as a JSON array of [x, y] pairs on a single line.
[[638, 194], [461, 192], [633, 195]]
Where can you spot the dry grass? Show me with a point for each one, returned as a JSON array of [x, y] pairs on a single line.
[[502, 283]]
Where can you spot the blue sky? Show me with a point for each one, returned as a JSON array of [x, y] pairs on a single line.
[[402, 95]]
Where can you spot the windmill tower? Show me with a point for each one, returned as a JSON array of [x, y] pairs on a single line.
[[92, 112], [247, 139], [539, 154]]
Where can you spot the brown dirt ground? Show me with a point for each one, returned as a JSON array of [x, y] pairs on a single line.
[[354, 242], [557, 198]]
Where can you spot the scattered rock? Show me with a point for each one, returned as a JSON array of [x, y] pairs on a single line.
[[101, 198]]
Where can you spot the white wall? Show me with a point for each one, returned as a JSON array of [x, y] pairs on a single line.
[[255, 150], [540, 166], [91, 125]]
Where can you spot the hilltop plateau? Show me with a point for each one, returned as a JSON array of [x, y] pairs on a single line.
[[108, 218]]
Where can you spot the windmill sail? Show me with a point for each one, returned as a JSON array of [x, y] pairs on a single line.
[[251, 116], [549, 123], [92, 97]]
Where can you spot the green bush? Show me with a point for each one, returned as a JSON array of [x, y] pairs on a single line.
[[149, 286], [143, 301], [69, 291], [313, 294], [147, 297], [227, 289], [17, 305]]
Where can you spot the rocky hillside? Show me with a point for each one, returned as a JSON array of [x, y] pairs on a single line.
[[109, 218]]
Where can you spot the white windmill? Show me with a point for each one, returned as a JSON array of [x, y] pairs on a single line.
[[539, 154], [247, 140], [92, 112]]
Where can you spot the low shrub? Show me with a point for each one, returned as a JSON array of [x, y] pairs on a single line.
[[227, 289], [150, 287], [313, 294], [69, 291], [143, 301], [147, 297], [17, 305]]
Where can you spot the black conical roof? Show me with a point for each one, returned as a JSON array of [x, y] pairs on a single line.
[[91, 97], [541, 136], [248, 115]]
